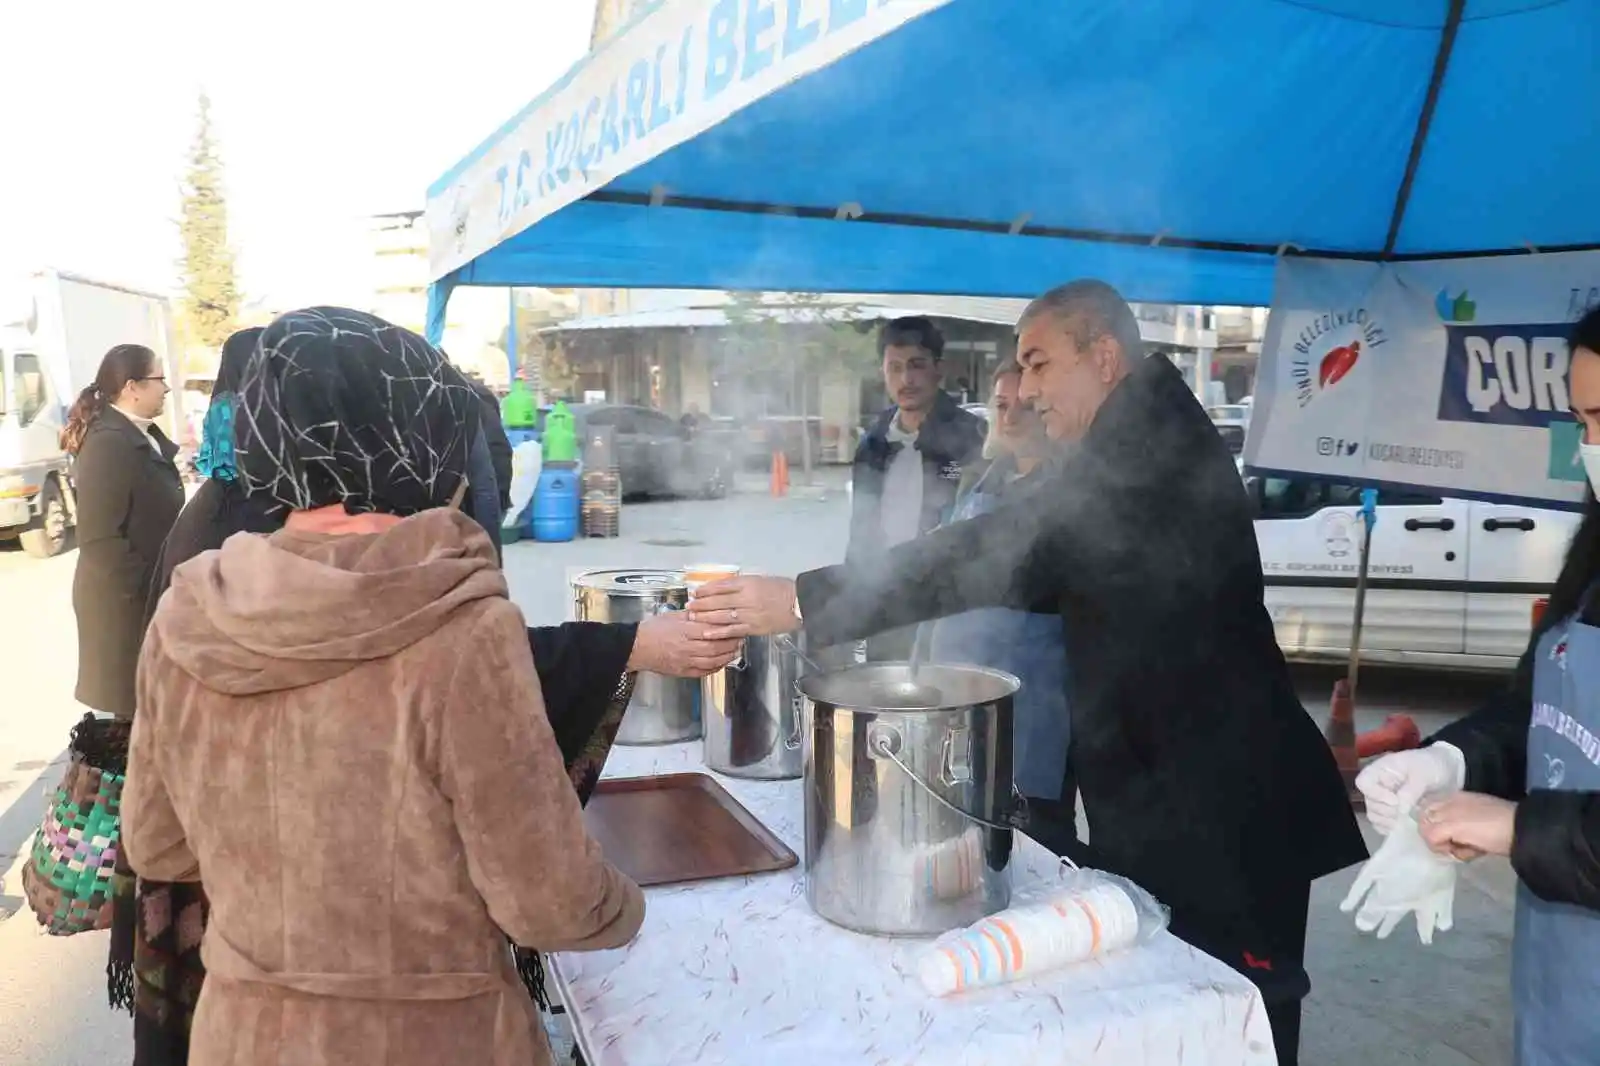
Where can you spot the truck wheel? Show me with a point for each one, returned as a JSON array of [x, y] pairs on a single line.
[[47, 536]]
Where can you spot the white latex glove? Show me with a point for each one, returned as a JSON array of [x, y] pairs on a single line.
[[1398, 782], [1404, 877]]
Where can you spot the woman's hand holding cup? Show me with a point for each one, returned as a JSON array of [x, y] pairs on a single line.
[[674, 645], [745, 606]]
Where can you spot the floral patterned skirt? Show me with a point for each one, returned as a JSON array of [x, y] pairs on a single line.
[[155, 968], [167, 970]]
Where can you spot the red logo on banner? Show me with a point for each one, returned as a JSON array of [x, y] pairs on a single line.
[[1337, 363]]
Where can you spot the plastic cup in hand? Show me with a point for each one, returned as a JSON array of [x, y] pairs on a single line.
[[704, 574]]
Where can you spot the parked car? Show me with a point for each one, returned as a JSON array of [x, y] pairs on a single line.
[[1233, 422], [656, 454], [1451, 582]]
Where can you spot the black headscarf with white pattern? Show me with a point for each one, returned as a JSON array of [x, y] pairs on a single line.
[[339, 406]]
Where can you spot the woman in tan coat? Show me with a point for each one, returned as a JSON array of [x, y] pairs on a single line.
[[341, 726]]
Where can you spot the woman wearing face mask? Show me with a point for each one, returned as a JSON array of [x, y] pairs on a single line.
[[129, 492], [341, 725], [1027, 645], [1521, 778]]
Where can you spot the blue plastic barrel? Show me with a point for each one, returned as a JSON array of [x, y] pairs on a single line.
[[520, 436], [555, 505]]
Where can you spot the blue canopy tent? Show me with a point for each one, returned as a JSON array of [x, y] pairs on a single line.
[[996, 147], [1177, 149]]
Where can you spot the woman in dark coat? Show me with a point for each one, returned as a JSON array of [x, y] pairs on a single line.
[[585, 671], [129, 493]]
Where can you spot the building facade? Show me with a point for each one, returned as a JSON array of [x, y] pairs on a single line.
[[1240, 331]]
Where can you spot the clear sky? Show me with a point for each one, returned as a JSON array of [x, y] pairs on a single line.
[[327, 111]]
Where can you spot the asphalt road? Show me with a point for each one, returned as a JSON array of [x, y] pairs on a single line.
[[1390, 1003]]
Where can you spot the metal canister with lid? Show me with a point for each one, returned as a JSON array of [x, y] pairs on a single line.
[[753, 713], [664, 710]]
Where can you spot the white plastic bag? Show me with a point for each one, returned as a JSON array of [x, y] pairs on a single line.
[[527, 460], [1404, 877], [1088, 915]]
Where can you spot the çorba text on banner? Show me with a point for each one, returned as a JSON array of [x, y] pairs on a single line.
[[1446, 375], [683, 67]]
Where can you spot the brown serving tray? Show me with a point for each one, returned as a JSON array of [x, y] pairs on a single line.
[[680, 827]]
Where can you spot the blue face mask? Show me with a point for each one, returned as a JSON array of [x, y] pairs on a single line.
[[215, 459]]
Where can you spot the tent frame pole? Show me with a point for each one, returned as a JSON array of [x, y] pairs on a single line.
[[1354, 672], [1419, 140]]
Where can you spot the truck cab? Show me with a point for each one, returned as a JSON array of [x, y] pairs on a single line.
[[55, 328], [36, 502]]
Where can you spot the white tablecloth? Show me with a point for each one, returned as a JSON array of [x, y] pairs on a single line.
[[741, 970]]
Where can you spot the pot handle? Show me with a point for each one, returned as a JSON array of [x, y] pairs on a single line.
[[883, 742], [797, 705], [956, 762]]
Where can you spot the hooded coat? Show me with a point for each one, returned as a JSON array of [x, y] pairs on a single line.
[[347, 734]]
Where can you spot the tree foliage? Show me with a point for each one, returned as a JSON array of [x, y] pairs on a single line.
[[788, 344], [790, 334], [210, 287]]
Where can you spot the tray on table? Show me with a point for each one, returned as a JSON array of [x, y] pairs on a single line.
[[676, 828]]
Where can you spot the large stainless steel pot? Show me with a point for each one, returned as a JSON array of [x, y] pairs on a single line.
[[752, 713], [903, 797], [664, 710]]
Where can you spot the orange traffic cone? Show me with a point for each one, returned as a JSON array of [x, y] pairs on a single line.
[[780, 475], [1341, 736], [1397, 733]]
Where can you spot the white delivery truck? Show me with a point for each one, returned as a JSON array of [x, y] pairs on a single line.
[[1451, 583], [54, 330]]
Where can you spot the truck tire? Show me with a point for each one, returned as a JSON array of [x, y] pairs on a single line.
[[47, 537]]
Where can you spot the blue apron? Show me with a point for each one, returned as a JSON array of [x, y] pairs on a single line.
[[1028, 645], [1555, 955]]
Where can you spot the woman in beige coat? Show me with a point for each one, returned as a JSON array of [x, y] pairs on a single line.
[[341, 726]]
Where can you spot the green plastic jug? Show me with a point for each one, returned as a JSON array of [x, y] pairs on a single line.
[[560, 439], [519, 410]]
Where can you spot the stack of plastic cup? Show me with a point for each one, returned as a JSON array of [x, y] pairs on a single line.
[[951, 868], [1028, 941]]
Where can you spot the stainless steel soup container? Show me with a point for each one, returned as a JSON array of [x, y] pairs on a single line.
[[903, 804], [663, 710]]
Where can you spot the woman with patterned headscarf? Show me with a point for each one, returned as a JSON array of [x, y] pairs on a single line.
[[339, 724]]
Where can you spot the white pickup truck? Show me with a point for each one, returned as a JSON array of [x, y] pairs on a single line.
[[54, 330], [1451, 583]]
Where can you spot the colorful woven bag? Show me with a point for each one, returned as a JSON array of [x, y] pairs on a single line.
[[70, 876]]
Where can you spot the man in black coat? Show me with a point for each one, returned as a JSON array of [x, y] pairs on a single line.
[[1202, 776], [909, 464]]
